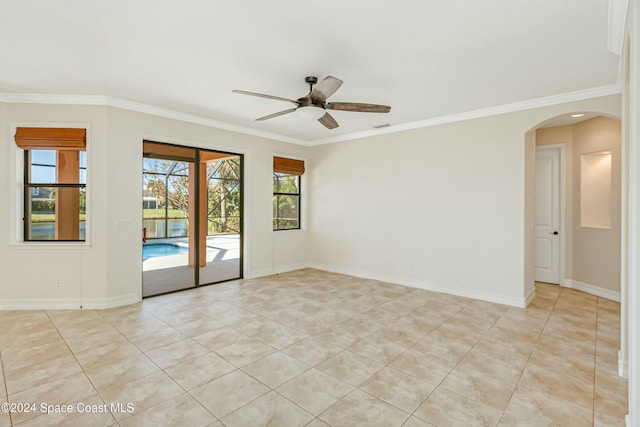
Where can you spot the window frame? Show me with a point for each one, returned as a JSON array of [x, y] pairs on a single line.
[[298, 195], [16, 170], [28, 185]]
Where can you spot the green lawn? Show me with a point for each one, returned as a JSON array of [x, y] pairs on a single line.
[[35, 217], [146, 214], [159, 213]]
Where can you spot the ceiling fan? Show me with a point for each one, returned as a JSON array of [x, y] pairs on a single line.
[[314, 104]]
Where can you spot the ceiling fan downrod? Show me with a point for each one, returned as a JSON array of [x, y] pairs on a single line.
[[311, 80]]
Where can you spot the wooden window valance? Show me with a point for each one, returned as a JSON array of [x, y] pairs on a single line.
[[288, 166], [51, 138], [158, 150]]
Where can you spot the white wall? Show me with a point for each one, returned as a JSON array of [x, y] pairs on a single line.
[[33, 269], [632, 143], [529, 216], [440, 207], [107, 270], [592, 255], [4, 212], [596, 251]]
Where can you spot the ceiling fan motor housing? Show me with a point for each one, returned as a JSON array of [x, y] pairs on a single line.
[[306, 101]]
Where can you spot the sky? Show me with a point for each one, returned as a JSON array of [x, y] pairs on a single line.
[[47, 174]]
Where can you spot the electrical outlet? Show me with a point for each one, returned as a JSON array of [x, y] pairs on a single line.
[[58, 282]]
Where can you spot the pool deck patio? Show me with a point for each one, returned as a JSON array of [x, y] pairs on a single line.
[[172, 272]]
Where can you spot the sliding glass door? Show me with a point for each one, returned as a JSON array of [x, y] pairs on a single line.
[[223, 217], [192, 217], [166, 217]]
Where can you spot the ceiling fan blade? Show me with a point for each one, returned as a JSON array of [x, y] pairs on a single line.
[[280, 113], [358, 107], [328, 121], [262, 95], [325, 89]]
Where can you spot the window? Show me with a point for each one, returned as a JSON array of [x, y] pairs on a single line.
[[55, 177], [286, 193], [286, 201]]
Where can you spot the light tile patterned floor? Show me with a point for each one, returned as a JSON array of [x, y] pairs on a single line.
[[315, 348]]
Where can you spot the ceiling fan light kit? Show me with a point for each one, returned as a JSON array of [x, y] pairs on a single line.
[[314, 105], [310, 112]]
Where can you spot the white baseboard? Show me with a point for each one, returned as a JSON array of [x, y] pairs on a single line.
[[530, 297], [68, 303], [41, 304], [428, 286], [623, 366], [101, 303], [591, 289], [276, 270]]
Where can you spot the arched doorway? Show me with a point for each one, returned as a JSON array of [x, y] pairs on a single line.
[[586, 244], [577, 214]]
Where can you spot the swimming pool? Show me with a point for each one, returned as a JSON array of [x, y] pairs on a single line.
[[162, 249]]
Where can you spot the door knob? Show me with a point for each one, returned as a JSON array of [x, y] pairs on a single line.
[[555, 233]]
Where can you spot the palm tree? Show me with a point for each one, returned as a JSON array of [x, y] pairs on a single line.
[[157, 188]]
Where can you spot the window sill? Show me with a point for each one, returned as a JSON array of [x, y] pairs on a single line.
[[290, 231], [49, 245], [596, 227]]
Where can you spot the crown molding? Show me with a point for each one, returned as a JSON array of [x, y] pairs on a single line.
[[101, 100], [200, 120], [581, 95], [616, 25], [45, 98], [125, 104]]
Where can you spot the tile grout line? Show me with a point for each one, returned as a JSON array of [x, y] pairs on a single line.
[[529, 358], [152, 361], [343, 349], [141, 353], [454, 367], [6, 390], [564, 290], [595, 362], [79, 364], [400, 315], [237, 368], [73, 354]]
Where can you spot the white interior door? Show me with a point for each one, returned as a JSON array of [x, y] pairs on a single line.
[[547, 221]]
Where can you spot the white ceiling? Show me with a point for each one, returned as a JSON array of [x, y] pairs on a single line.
[[427, 59]]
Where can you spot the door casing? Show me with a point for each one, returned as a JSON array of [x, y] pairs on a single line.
[[195, 191]]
